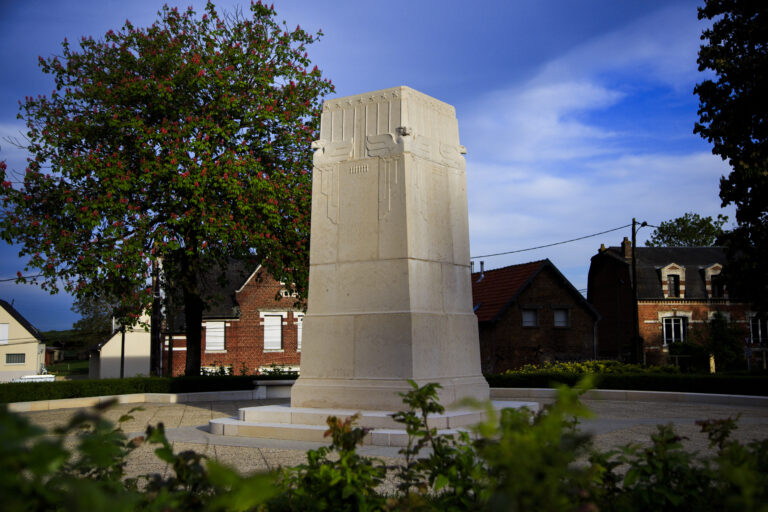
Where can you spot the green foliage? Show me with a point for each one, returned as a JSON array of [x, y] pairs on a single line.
[[721, 339], [690, 230], [95, 323], [40, 472], [606, 366], [335, 477], [518, 461], [73, 367], [733, 115], [616, 375], [188, 140], [530, 457]]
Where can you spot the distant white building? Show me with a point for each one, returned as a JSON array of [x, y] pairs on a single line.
[[104, 362], [22, 351]]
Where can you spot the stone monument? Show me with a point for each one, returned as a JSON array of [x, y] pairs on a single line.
[[390, 296]]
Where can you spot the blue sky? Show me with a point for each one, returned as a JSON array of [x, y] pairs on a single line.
[[577, 116]]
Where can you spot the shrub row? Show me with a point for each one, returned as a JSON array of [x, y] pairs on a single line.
[[31, 391], [685, 383], [599, 366]]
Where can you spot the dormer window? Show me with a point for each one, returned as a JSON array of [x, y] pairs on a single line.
[[714, 281], [673, 286], [673, 281], [717, 287]]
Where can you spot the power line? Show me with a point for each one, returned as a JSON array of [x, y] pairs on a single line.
[[551, 245], [20, 277]]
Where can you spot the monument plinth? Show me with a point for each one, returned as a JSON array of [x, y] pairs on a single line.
[[390, 296]]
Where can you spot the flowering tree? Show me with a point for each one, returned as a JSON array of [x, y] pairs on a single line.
[[186, 142]]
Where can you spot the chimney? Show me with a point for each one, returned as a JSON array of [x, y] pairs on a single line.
[[602, 248], [626, 248], [482, 272]]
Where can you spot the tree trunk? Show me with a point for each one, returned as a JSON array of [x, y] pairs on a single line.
[[193, 316]]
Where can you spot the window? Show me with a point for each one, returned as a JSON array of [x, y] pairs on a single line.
[[675, 329], [214, 336], [718, 287], [273, 332], [15, 358], [758, 329], [299, 328], [530, 318], [3, 334], [562, 317], [673, 285]]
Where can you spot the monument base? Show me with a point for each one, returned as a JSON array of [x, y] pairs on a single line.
[[380, 394], [309, 424]]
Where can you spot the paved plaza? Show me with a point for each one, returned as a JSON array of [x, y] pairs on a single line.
[[615, 423]]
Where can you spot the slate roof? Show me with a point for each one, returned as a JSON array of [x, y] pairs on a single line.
[[218, 292], [499, 288], [23, 321], [650, 261]]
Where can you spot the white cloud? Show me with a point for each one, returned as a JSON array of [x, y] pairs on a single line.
[[661, 47], [539, 122], [526, 208]]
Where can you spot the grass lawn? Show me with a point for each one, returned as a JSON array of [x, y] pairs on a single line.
[[69, 368]]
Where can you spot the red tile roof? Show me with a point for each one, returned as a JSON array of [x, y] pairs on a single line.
[[498, 287]]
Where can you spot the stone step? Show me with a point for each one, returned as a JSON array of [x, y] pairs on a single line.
[[308, 424], [313, 433]]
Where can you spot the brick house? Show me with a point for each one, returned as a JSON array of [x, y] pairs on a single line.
[[678, 288], [252, 322], [530, 314]]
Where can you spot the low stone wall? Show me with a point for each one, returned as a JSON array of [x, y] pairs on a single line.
[[265, 390]]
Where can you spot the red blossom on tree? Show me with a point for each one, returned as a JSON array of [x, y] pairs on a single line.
[[158, 143]]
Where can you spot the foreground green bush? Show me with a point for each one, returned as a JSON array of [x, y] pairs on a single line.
[[519, 461]]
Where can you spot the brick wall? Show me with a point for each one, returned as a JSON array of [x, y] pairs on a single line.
[[244, 336], [506, 344], [698, 314], [610, 293]]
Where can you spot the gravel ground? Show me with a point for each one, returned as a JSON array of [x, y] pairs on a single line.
[[614, 423]]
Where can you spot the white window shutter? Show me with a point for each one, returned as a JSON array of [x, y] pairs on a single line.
[[3, 334], [273, 332], [214, 336]]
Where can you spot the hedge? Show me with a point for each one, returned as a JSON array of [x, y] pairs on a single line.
[[31, 391], [756, 385]]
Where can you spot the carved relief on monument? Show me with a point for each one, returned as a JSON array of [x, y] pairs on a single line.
[[383, 145], [450, 155], [327, 151], [390, 177], [329, 190]]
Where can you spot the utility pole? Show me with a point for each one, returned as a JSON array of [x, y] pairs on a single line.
[[122, 351], [637, 342]]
